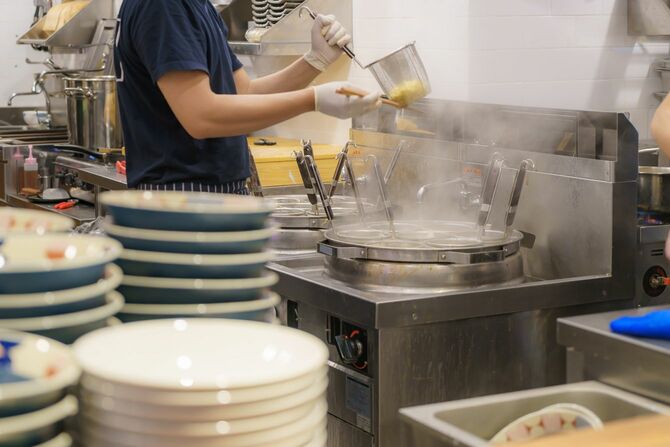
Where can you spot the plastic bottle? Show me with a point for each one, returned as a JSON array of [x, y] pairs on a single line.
[[17, 161], [31, 178]]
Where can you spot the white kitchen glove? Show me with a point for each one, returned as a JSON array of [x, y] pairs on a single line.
[[328, 101], [328, 38]]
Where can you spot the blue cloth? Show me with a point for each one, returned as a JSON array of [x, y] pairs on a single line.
[[653, 325], [156, 37]]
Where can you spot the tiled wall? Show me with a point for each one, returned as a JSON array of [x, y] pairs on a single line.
[[552, 53], [15, 75]]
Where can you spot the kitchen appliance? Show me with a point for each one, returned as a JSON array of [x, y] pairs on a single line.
[[393, 344], [92, 111]]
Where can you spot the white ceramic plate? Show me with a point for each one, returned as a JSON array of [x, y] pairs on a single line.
[[38, 419], [49, 364], [17, 220], [202, 429], [113, 306], [62, 440], [185, 202], [199, 354], [111, 281], [268, 279], [188, 310], [548, 421], [196, 259], [55, 252], [183, 412], [295, 434], [192, 399], [188, 236]]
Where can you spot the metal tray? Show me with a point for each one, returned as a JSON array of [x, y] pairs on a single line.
[[473, 422]]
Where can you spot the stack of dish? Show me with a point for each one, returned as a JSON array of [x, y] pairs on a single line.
[[259, 10], [35, 373], [192, 255], [58, 286], [268, 12], [20, 221], [201, 383]]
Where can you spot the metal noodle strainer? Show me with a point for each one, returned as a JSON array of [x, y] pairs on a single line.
[[400, 74]]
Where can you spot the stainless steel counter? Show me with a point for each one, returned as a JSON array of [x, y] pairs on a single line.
[[81, 213], [635, 364]]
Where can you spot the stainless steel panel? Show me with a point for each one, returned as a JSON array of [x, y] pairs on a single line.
[[635, 364], [341, 434], [648, 18], [473, 422]]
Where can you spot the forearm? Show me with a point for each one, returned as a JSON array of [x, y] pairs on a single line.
[[294, 77], [660, 126], [230, 115]]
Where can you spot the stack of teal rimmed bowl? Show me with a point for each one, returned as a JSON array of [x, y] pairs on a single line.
[[35, 376], [58, 285], [192, 255]]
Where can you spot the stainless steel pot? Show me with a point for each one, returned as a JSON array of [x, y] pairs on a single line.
[[653, 189], [93, 116]]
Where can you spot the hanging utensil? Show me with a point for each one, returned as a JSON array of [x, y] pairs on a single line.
[[519, 180], [488, 191], [315, 177], [338, 168], [383, 193], [306, 180]]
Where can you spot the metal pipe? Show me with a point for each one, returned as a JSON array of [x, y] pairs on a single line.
[[394, 162], [383, 194], [341, 157]]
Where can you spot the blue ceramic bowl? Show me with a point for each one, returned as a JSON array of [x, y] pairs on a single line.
[[32, 263], [63, 301], [186, 242], [185, 211], [30, 357], [34, 428], [146, 290], [172, 265], [256, 310], [67, 327]]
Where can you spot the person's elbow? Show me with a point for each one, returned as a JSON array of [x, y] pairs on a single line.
[[196, 129]]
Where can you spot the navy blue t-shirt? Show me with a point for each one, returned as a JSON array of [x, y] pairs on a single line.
[[154, 38]]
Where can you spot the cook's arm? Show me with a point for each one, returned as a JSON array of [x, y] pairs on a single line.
[[660, 126], [328, 38], [205, 114]]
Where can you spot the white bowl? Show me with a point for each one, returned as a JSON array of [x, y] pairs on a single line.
[[63, 298], [49, 365], [17, 220], [242, 310], [62, 440], [69, 326], [200, 354], [295, 434], [192, 399], [34, 263], [202, 429], [193, 413], [186, 211], [16, 430]]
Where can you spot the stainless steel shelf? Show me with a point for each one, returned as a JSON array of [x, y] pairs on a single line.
[[270, 48]]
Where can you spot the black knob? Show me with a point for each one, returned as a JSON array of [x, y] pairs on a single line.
[[349, 348]]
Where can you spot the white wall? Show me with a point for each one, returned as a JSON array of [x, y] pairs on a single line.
[[551, 53], [15, 75]]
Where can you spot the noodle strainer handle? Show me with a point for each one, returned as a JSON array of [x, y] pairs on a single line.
[[345, 48]]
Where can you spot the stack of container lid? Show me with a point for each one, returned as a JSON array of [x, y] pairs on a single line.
[[192, 255], [55, 284], [35, 374], [202, 383]]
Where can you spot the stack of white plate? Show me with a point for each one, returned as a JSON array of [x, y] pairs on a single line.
[[35, 374], [56, 285], [202, 383], [192, 255]]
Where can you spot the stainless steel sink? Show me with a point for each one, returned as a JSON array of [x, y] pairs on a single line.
[[473, 422]]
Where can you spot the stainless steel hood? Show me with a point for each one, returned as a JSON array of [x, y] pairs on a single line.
[[288, 37]]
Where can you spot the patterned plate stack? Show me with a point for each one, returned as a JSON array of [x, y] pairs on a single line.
[[35, 374]]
